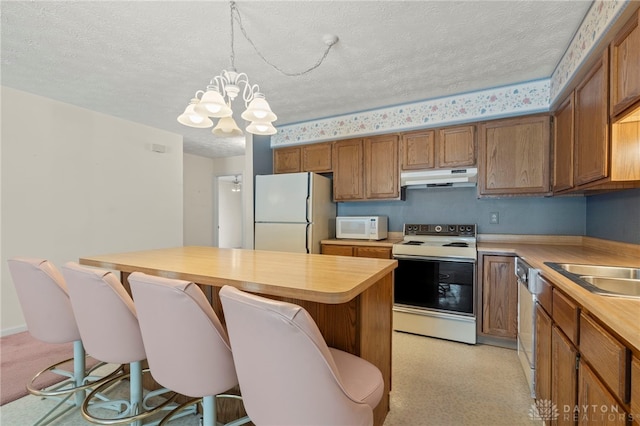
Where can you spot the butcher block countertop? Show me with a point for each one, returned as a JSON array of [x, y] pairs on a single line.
[[620, 315], [312, 277]]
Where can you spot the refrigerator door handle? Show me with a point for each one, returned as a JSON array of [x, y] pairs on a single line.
[[307, 238]]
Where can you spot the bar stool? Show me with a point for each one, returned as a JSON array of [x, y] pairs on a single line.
[[44, 300], [107, 321], [287, 373], [187, 347]]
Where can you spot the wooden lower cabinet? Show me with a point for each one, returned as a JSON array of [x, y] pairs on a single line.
[[635, 390], [357, 251], [337, 250], [544, 325], [564, 376], [586, 371], [499, 297], [596, 404]]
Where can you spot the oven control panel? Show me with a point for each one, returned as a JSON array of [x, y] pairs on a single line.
[[450, 230]]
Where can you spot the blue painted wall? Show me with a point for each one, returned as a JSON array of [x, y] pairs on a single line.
[[523, 215], [614, 216]]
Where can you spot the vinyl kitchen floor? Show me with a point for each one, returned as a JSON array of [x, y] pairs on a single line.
[[435, 382]]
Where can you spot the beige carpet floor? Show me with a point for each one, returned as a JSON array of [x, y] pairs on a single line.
[[435, 382]]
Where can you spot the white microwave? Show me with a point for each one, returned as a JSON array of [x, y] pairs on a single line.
[[362, 227]]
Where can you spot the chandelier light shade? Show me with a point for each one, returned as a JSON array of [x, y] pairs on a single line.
[[212, 104], [259, 110], [193, 119], [261, 128], [226, 127], [223, 89]]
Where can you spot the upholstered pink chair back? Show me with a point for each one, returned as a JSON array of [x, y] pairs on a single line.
[[187, 346], [287, 373], [45, 303], [105, 314]]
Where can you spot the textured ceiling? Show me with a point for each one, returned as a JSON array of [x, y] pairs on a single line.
[[143, 60]]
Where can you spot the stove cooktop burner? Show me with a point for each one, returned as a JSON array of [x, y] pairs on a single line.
[[456, 244], [413, 243]]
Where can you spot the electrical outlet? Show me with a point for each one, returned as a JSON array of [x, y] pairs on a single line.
[[494, 217]]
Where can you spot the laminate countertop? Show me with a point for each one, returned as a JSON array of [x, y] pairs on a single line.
[[620, 315], [392, 238], [312, 277]]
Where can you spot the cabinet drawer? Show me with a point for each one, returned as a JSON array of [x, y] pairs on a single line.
[[544, 294], [606, 355], [378, 252], [566, 314], [337, 250]]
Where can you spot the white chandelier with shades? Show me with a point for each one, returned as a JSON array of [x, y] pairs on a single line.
[[223, 89]]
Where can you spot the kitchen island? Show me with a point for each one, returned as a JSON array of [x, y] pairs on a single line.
[[349, 298]]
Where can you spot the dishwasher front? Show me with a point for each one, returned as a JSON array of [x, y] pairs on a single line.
[[527, 283]]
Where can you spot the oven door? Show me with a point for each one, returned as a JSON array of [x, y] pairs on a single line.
[[436, 284]]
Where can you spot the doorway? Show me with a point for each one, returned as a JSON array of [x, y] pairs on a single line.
[[229, 211]]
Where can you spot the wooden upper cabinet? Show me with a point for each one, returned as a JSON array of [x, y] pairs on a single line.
[[563, 146], [382, 176], [306, 158], [591, 154], [317, 157], [456, 146], [287, 160], [348, 170], [514, 156], [625, 66], [418, 150], [442, 148]]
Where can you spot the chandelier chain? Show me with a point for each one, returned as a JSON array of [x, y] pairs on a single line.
[[238, 18], [232, 6]]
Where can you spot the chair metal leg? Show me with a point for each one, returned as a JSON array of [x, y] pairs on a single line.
[[79, 368], [76, 384], [209, 414]]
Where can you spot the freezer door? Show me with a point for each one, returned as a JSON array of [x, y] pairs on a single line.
[[289, 237], [282, 198]]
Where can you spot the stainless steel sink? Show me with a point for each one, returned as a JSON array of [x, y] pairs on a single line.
[[605, 280], [601, 271], [622, 286]]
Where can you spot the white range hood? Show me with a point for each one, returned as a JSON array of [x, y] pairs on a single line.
[[439, 178]]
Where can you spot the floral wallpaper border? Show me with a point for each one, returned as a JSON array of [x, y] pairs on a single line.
[[601, 15], [491, 103], [517, 99]]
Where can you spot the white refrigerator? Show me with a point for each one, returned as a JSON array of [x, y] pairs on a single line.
[[293, 212]]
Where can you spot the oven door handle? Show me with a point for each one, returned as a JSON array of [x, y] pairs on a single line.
[[428, 258]]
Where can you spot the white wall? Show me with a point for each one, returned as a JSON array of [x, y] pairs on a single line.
[[76, 183], [201, 196], [198, 201]]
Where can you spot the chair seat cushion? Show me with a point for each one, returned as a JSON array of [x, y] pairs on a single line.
[[361, 379]]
